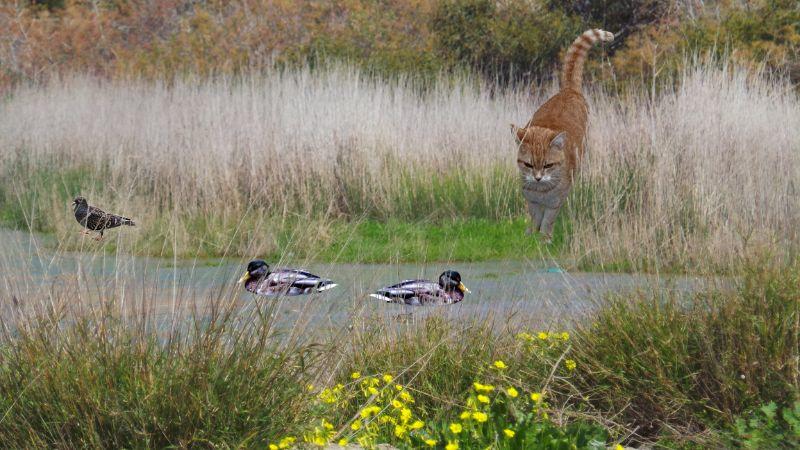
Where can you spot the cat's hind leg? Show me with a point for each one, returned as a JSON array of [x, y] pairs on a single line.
[[537, 213], [548, 220]]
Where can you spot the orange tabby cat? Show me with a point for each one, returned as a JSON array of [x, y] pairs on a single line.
[[551, 144]]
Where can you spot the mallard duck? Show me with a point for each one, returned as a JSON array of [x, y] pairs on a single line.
[[258, 279], [447, 291], [95, 219]]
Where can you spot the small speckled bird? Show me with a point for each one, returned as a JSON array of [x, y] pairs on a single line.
[[447, 291], [95, 219], [258, 279]]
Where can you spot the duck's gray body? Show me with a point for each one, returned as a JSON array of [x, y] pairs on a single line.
[[418, 293], [288, 282]]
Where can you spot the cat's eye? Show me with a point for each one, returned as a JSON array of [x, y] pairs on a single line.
[[528, 165], [547, 166]]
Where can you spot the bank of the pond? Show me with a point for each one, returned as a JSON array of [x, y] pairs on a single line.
[[365, 241], [717, 371]]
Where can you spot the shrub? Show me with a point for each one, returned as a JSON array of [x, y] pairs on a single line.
[[767, 428], [694, 363], [508, 40]]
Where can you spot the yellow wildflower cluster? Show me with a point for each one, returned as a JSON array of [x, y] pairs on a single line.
[[321, 435], [332, 395], [544, 343], [388, 413], [388, 410], [286, 442], [543, 336]]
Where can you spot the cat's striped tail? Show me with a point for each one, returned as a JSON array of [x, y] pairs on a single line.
[[573, 61]]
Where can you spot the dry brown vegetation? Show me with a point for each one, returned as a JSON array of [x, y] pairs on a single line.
[[703, 173]]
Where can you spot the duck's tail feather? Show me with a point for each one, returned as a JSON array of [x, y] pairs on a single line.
[[325, 287], [382, 298]]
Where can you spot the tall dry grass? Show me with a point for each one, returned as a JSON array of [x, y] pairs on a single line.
[[702, 173]]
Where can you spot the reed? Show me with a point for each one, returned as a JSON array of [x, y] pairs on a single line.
[[696, 175]]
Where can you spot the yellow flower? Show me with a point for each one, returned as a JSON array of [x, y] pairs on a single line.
[[417, 425], [430, 442], [500, 365], [565, 336], [342, 442], [369, 411], [397, 403], [512, 392], [483, 399], [542, 335], [372, 390], [451, 446], [327, 396], [465, 415], [356, 425], [456, 428], [483, 387], [480, 416], [273, 447], [309, 387], [355, 375], [400, 431], [509, 433], [524, 337], [405, 414], [286, 442], [399, 387], [406, 397], [327, 425], [570, 364], [536, 396], [619, 447], [319, 440], [388, 378]]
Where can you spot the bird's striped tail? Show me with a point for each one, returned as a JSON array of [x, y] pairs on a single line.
[[572, 76], [123, 221]]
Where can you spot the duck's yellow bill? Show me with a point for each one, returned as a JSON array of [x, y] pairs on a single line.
[[463, 288], [244, 278]]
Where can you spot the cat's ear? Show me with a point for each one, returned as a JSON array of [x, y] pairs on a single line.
[[560, 141], [519, 133]]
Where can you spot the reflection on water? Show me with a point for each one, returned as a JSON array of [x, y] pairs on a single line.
[[535, 292]]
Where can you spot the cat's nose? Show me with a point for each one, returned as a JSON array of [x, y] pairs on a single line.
[[537, 176]]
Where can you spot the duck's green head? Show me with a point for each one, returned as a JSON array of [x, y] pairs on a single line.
[[450, 280], [256, 269]]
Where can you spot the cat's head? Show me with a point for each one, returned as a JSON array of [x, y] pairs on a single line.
[[541, 154]]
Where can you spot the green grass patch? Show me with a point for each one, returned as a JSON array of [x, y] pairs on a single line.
[[24, 199], [457, 240]]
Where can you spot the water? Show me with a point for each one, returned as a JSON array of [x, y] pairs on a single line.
[[538, 293]]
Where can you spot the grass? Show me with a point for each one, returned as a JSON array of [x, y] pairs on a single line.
[[671, 181], [461, 240], [646, 367]]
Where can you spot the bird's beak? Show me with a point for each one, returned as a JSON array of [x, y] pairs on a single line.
[[463, 288], [244, 278]]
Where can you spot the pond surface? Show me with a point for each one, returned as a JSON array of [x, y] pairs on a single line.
[[536, 292]]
